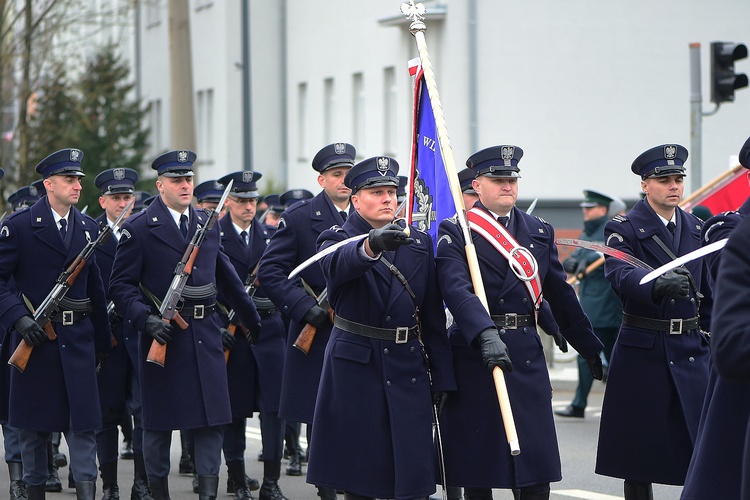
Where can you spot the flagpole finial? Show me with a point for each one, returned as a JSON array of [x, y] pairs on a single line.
[[415, 13]]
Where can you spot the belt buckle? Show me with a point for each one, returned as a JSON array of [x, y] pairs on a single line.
[[67, 317], [199, 311], [511, 321], [402, 334], [675, 326]]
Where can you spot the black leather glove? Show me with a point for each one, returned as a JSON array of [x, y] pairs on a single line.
[[560, 341], [157, 328], [438, 400], [32, 333], [316, 316], [388, 237], [227, 339], [253, 334], [570, 265], [101, 358], [494, 351], [595, 365], [674, 284]]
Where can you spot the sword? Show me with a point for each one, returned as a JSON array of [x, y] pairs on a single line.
[[532, 206], [695, 254], [323, 253], [607, 250]]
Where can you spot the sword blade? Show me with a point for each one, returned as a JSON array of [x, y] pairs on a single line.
[[607, 250], [323, 253], [695, 254], [532, 206]]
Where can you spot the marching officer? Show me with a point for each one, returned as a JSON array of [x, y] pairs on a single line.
[[274, 209], [717, 468], [595, 293], [190, 390], [253, 369], [479, 339], [659, 367], [387, 358], [23, 197], [117, 186], [58, 389], [293, 243]]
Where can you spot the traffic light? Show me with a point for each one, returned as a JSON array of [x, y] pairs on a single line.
[[724, 81]]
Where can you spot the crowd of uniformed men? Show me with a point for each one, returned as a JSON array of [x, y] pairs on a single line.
[[356, 344]]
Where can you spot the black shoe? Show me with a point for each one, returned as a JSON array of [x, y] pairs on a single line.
[[571, 411], [18, 490], [59, 458], [196, 487], [294, 468], [271, 491], [252, 484], [53, 484], [127, 451], [140, 489], [71, 480], [186, 464]]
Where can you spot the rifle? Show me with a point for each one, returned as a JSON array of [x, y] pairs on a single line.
[[306, 336], [251, 285], [51, 304], [157, 354]]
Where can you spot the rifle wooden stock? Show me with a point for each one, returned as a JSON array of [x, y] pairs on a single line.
[[157, 354], [233, 330], [20, 357], [598, 262], [307, 335]]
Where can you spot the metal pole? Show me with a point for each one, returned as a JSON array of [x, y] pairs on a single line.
[[417, 28], [247, 125], [473, 76], [696, 118]]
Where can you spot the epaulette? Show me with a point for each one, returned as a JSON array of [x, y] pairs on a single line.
[[541, 220], [708, 229], [620, 218], [336, 228], [296, 206], [453, 219]]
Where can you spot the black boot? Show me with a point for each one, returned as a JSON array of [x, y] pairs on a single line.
[[186, 458], [35, 492], [141, 489], [295, 467], [85, 490], [237, 477], [159, 487], [638, 491], [60, 459], [207, 487], [17, 486], [477, 494], [270, 490], [454, 493], [110, 489], [53, 484], [535, 493], [71, 479], [326, 493]]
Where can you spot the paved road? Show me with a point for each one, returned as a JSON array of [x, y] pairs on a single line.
[[577, 444]]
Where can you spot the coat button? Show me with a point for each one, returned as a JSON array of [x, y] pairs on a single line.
[[524, 300], [200, 342], [387, 318], [385, 351], [501, 301], [524, 329], [411, 349], [413, 381], [62, 346], [671, 363], [691, 359], [388, 383], [671, 302], [528, 362], [692, 300], [501, 331]]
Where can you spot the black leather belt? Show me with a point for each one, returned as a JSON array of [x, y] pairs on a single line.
[[266, 313], [72, 311], [673, 326], [197, 311], [398, 335], [511, 321]]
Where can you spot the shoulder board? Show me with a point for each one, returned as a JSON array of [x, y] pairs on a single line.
[[620, 218], [297, 206], [730, 212], [453, 219], [336, 228], [707, 230], [541, 220]]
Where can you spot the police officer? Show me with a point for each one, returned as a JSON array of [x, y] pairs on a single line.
[[595, 293], [659, 367], [140, 197], [293, 243], [117, 186], [479, 338], [23, 197], [466, 179], [716, 466], [58, 389], [274, 209], [387, 356], [208, 194], [190, 390], [253, 370]]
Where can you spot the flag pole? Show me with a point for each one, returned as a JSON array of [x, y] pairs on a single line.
[[415, 13]]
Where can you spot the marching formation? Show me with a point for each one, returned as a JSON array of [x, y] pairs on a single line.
[[330, 310]]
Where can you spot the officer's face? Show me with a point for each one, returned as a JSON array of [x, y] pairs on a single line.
[[176, 192], [376, 205], [664, 193], [272, 219], [469, 199], [332, 182], [497, 193], [114, 204], [63, 189], [595, 212], [208, 205], [242, 210]]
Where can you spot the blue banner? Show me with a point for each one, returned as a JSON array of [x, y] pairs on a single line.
[[431, 200]]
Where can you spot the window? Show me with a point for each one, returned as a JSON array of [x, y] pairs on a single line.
[[153, 13], [390, 111], [358, 113], [205, 124], [329, 113], [154, 123], [302, 121]]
